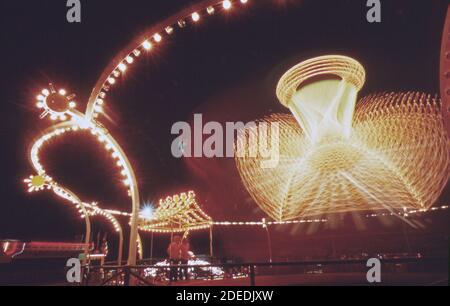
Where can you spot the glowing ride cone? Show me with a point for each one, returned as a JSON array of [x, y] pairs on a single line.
[[390, 152]]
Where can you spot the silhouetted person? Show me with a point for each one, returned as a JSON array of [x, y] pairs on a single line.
[[104, 249], [185, 256], [174, 252]]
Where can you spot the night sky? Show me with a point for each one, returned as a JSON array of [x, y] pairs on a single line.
[[226, 68]]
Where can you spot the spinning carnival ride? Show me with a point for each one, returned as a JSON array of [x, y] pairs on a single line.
[[391, 152]]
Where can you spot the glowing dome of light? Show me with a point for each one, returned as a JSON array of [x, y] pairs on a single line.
[[388, 152]]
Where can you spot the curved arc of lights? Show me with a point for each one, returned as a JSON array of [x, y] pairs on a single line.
[[346, 68], [92, 210], [135, 48], [86, 209], [103, 136], [117, 227], [70, 196]]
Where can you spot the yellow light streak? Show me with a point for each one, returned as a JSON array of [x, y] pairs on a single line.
[[390, 152]]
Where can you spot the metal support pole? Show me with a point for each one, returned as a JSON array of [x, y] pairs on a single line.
[[87, 238], [140, 247], [151, 250], [211, 251], [252, 276], [126, 276], [120, 251], [269, 243], [132, 249]]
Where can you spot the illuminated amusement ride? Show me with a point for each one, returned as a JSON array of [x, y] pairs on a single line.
[[388, 152]]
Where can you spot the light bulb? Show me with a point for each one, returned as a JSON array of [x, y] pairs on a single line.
[[227, 4], [195, 17]]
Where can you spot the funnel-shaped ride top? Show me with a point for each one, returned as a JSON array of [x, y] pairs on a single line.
[[321, 93], [391, 153]]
